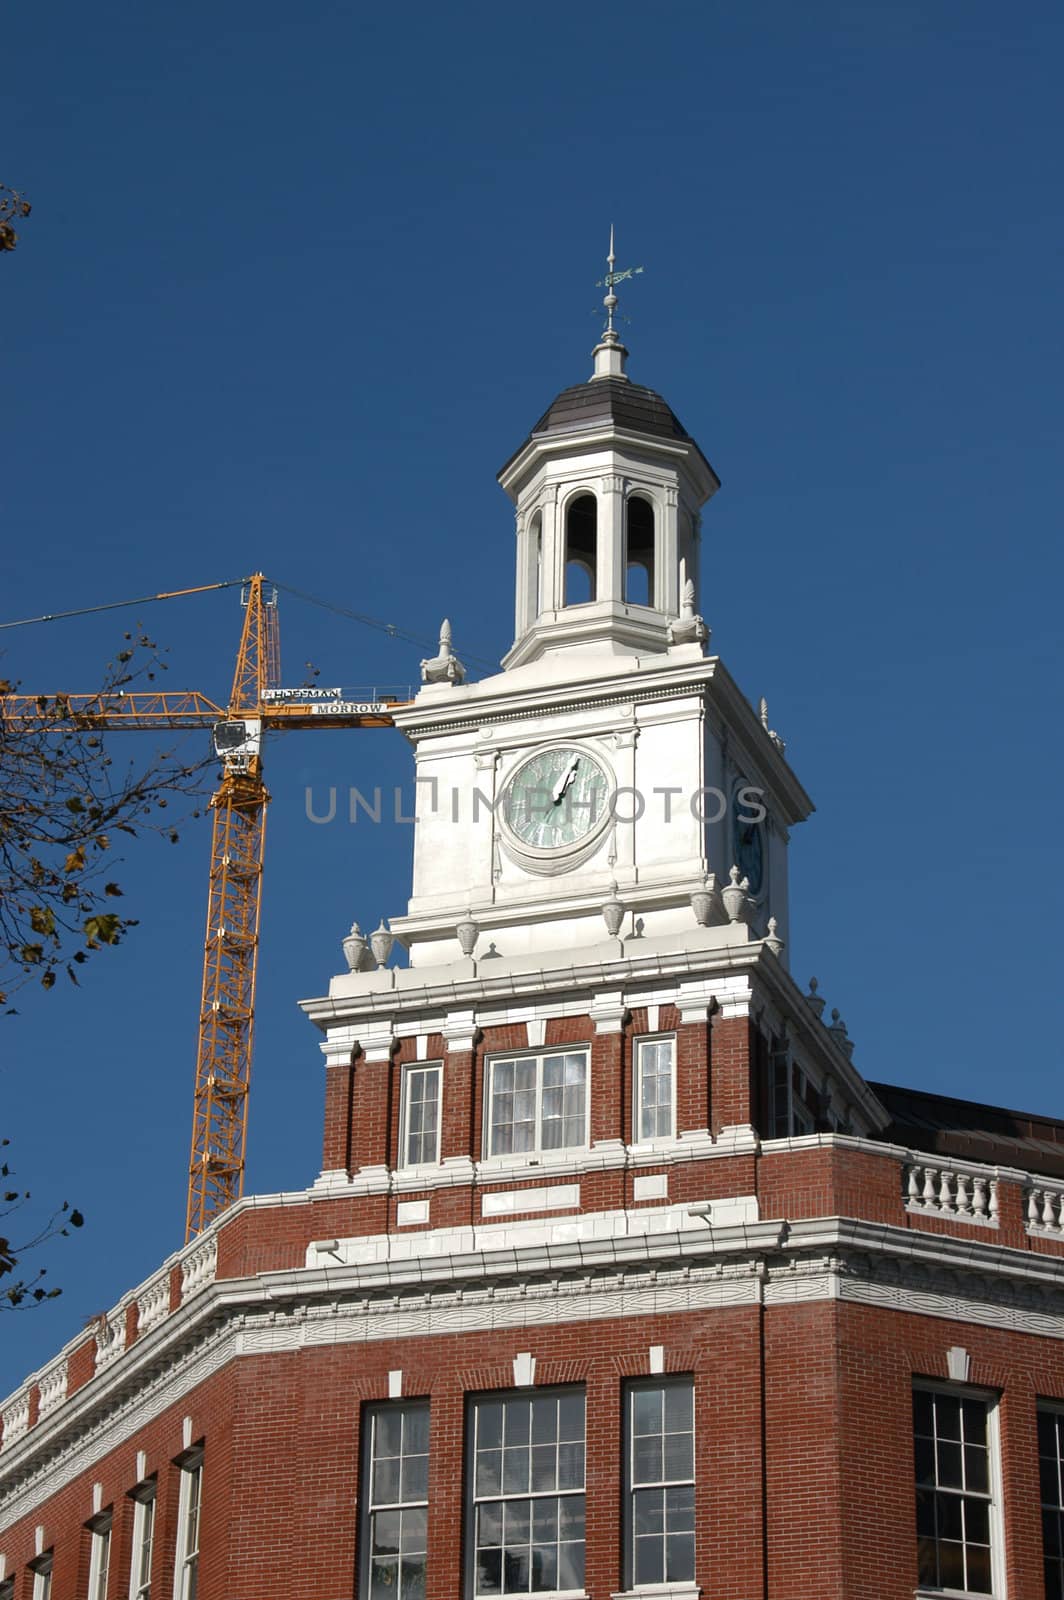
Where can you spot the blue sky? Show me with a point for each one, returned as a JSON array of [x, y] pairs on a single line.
[[299, 279]]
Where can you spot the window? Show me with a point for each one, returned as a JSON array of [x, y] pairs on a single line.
[[186, 1565], [7, 1589], [581, 550], [654, 1089], [792, 1096], [527, 1508], [660, 1483], [420, 1118], [42, 1577], [954, 1502], [1051, 1471], [395, 1502], [100, 1558], [143, 1538], [639, 552], [537, 1103]]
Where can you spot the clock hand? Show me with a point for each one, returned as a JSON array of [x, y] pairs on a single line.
[[565, 780]]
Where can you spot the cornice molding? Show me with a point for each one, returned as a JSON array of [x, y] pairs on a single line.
[[691, 1269]]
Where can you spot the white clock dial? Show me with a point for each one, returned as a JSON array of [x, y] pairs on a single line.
[[557, 799]]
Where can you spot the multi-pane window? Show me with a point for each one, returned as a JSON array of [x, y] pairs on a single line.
[[395, 1502], [954, 1502], [660, 1483], [100, 1558], [537, 1102], [527, 1470], [791, 1096], [420, 1119], [186, 1567], [654, 1088], [143, 1540], [42, 1577], [1051, 1472]]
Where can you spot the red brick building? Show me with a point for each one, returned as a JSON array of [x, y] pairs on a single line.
[[618, 1279]]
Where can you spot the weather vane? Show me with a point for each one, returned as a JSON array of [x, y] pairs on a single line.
[[610, 281]]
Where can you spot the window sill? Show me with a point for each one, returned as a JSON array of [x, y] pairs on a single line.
[[953, 1594], [538, 1594], [660, 1591]]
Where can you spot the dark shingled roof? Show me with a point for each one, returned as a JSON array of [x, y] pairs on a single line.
[[614, 400], [969, 1131], [626, 405]]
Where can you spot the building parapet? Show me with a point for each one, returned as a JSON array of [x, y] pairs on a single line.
[[960, 1192], [1044, 1209]]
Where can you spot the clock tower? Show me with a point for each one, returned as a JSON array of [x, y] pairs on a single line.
[[611, 780]]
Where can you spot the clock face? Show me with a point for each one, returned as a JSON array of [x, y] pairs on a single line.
[[748, 843], [557, 799]]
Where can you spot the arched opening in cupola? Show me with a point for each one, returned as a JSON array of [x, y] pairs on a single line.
[[639, 552], [535, 566], [581, 550]]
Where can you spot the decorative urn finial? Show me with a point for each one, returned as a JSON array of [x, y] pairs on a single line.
[[444, 667], [354, 946], [467, 932], [381, 942], [613, 912]]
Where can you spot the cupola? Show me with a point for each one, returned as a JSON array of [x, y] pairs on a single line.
[[608, 489]]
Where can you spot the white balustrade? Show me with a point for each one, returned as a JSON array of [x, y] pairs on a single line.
[[110, 1338], [944, 1192], [198, 1267], [153, 1304], [1045, 1210], [52, 1387], [17, 1419]]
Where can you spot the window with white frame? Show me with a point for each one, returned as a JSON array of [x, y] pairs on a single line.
[[190, 1499], [395, 1501], [420, 1115], [42, 1577], [99, 1557], [655, 1089], [526, 1509], [952, 1440], [536, 1102], [1051, 1474], [143, 1541], [791, 1096], [660, 1483]]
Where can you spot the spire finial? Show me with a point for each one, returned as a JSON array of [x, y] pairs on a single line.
[[610, 354]]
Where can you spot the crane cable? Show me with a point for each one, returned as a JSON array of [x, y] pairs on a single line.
[[389, 628], [116, 605]]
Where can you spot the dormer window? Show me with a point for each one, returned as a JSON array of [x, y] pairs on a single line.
[[639, 552], [581, 550]]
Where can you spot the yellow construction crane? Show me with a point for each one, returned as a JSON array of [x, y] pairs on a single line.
[[234, 899]]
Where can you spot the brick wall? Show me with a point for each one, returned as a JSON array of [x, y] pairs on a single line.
[[804, 1453]]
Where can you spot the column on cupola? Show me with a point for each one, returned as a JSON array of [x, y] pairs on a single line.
[[611, 541], [552, 555], [668, 575], [526, 527]]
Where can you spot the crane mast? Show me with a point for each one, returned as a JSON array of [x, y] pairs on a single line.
[[234, 908], [238, 837]]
